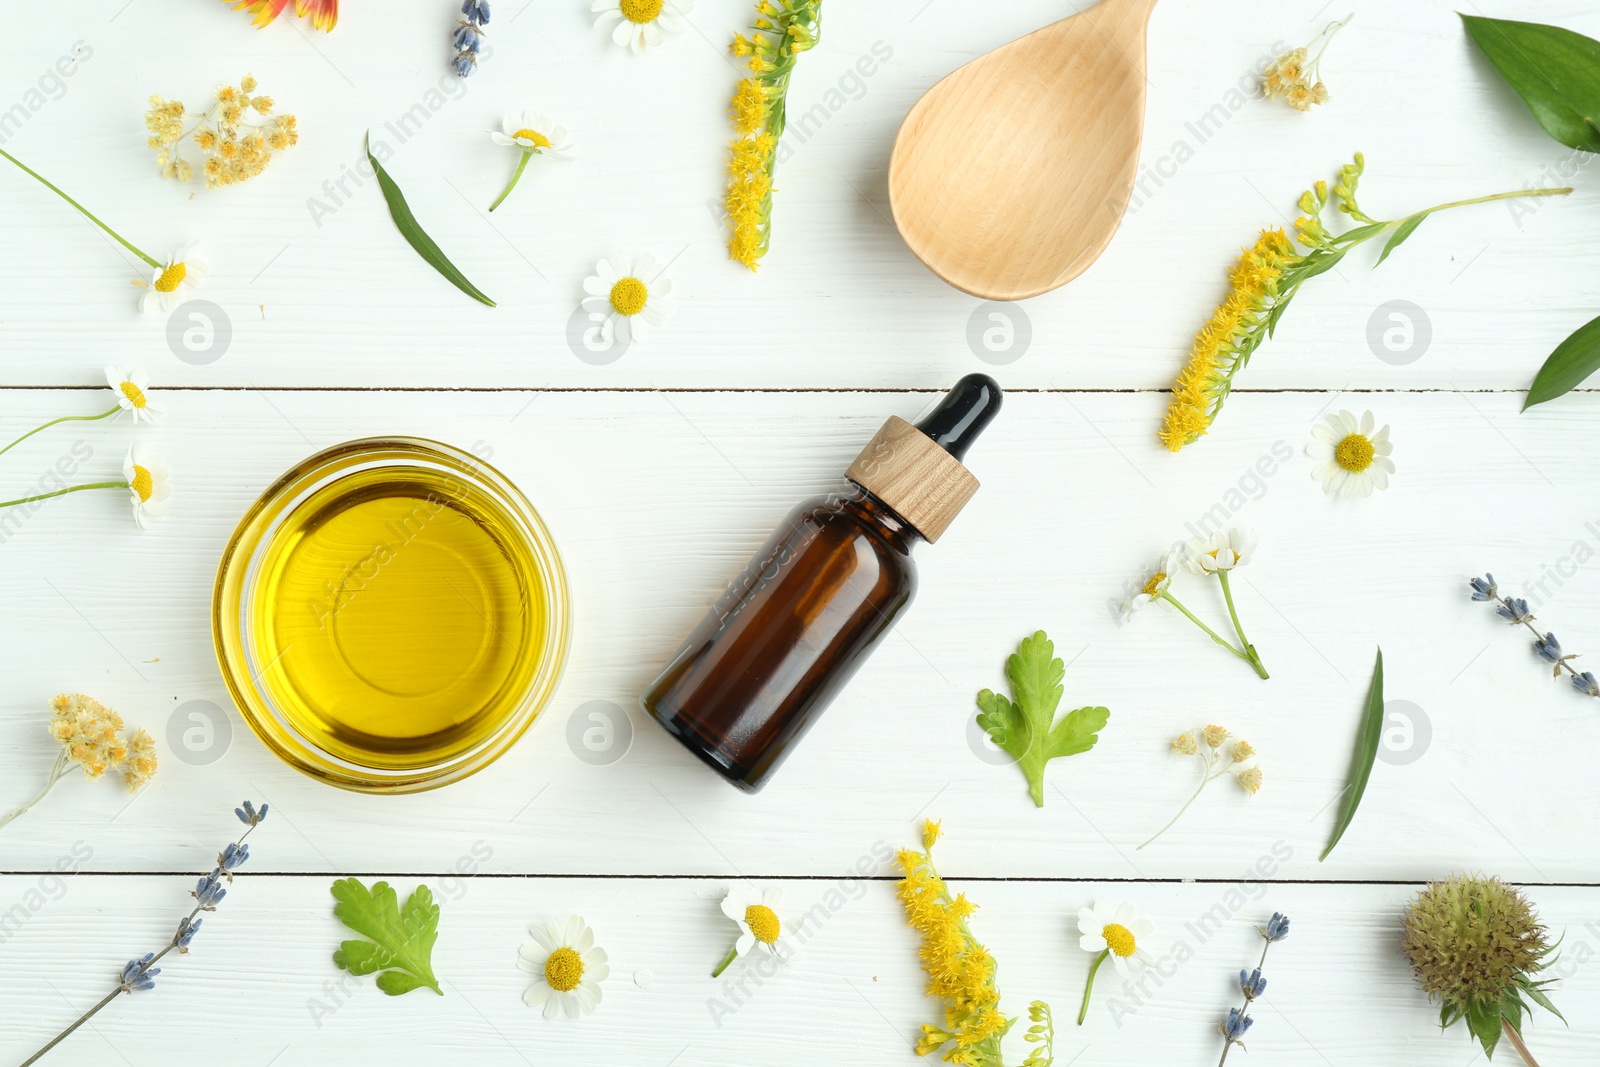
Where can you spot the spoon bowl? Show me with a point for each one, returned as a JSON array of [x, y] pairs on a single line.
[[1011, 175]]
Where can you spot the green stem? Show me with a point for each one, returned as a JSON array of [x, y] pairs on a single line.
[[1516, 1039], [1207, 776], [1250, 650], [64, 492], [63, 1035], [522, 165], [1088, 987], [1218, 638], [85, 211], [57, 772], [733, 954], [56, 422]]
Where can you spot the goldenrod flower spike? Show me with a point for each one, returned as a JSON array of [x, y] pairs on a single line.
[[778, 36], [960, 970], [1263, 281]]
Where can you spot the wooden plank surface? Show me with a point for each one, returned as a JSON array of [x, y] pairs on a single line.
[[661, 471]]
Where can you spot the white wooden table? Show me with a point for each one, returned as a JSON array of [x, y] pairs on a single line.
[[661, 471]]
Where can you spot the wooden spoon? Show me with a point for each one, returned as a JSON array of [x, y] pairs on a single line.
[[1011, 175]]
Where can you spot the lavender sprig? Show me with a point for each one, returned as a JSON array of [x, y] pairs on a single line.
[[1515, 611], [1252, 985], [139, 974], [467, 38]]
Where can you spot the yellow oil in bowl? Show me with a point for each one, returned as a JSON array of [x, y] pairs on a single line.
[[391, 615]]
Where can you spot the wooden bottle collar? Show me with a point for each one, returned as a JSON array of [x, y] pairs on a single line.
[[924, 484]]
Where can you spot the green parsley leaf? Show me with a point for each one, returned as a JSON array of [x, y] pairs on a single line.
[[1025, 725], [402, 939]]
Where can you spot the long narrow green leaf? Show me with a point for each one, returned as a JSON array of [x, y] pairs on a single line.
[[1574, 360], [1555, 71], [1403, 231], [418, 238], [1366, 754]]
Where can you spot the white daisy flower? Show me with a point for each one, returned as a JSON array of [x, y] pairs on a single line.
[[170, 285], [641, 24], [533, 132], [132, 389], [1222, 551], [148, 484], [1160, 579], [1352, 459], [1118, 931], [756, 912], [635, 294], [567, 968]]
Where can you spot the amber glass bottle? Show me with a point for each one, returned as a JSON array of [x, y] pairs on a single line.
[[820, 595]]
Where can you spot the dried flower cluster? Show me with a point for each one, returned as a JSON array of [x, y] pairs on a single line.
[[960, 970], [91, 736], [1295, 77], [1475, 945], [782, 30], [235, 137], [1237, 759]]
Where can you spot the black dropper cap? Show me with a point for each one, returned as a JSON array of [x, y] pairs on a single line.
[[963, 414]]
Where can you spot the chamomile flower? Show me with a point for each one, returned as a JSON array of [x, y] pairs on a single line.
[[1113, 931], [1352, 454], [641, 24], [533, 132], [170, 285], [132, 390], [633, 294], [567, 968], [1154, 588], [760, 926], [1222, 551], [149, 486], [534, 135]]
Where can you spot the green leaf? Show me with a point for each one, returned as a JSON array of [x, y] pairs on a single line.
[[1484, 1021], [1573, 360], [1555, 71], [1403, 231], [401, 944], [414, 234], [1366, 754], [1361, 233], [1536, 991], [1024, 726]]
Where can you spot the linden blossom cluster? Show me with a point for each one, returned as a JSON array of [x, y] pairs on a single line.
[[235, 149]]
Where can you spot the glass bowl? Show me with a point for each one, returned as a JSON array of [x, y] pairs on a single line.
[[391, 615]]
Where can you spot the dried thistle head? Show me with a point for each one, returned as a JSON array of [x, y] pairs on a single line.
[[1475, 944]]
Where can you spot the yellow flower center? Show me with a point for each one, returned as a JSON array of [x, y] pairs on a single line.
[[641, 11], [142, 483], [134, 394], [1154, 583], [763, 922], [1354, 453], [563, 970], [171, 278], [628, 296], [1119, 939], [539, 140]]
